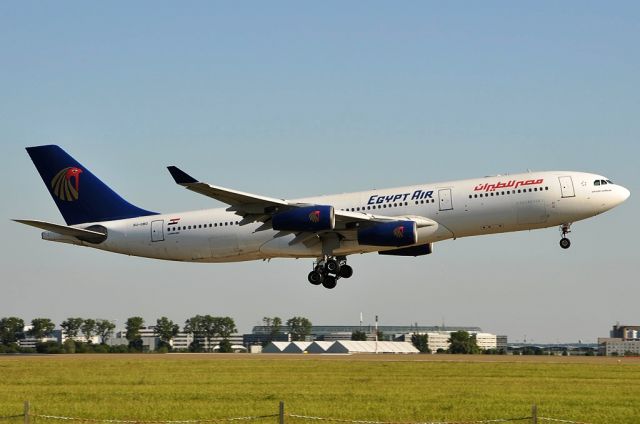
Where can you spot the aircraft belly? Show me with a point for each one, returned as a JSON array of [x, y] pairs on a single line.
[[280, 247]]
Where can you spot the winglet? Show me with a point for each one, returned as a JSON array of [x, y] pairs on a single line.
[[180, 176]]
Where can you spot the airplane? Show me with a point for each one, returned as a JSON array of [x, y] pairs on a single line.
[[402, 221]]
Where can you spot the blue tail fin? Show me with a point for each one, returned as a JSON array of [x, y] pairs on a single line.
[[80, 195]]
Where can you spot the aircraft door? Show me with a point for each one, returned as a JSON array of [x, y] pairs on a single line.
[[566, 187], [444, 198], [157, 230]]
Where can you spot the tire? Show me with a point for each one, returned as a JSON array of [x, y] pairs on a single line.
[[565, 243], [329, 282], [315, 278], [346, 271], [332, 266]]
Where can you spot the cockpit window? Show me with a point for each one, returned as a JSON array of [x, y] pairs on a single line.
[[602, 182], [609, 181], [596, 183]]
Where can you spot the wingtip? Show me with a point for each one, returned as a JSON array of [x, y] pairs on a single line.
[[180, 176]]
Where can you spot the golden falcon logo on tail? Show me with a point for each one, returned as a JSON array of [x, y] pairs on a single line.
[[62, 186]]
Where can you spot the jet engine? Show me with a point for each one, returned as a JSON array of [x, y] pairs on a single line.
[[306, 218], [397, 233]]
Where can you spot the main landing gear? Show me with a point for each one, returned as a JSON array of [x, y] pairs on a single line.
[[328, 270], [565, 229]]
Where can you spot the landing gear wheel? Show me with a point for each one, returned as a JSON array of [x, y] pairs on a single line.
[[329, 282], [345, 271], [565, 243], [332, 266], [315, 278]]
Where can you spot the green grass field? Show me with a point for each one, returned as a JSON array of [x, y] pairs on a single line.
[[385, 388]]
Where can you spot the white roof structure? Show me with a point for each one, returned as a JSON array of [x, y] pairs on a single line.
[[349, 346], [319, 347], [296, 347], [275, 347]]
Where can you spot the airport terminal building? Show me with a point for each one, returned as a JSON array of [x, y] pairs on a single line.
[[623, 340]]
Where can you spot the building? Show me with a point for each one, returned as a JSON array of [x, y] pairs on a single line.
[[624, 340], [275, 347], [297, 347], [439, 340], [625, 332], [319, 347], [614, 346], [182, 341], [29, 342], [261, 334], [263, 338], [352, 346]]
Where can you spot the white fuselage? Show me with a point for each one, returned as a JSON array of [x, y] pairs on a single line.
[[461, 208]]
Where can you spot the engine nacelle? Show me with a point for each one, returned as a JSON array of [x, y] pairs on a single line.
[[397, 233], [306, 218]]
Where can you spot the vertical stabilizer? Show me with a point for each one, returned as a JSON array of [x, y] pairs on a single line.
[[80, 196]]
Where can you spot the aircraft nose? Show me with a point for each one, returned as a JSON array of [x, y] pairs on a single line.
[[624, 194]]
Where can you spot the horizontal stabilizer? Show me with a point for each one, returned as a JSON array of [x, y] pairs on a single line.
[[79, 233]]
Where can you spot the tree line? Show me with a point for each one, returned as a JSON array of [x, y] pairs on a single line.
[[84, 335]]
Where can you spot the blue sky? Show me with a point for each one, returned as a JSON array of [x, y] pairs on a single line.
[[292, 99]]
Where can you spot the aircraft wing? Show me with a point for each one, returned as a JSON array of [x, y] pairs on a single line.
[[253, 207], [238, 200]]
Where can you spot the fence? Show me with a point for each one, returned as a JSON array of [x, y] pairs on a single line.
[[282, 418]]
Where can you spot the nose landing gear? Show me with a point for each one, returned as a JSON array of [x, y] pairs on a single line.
[[328, 270], [565, 229]]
